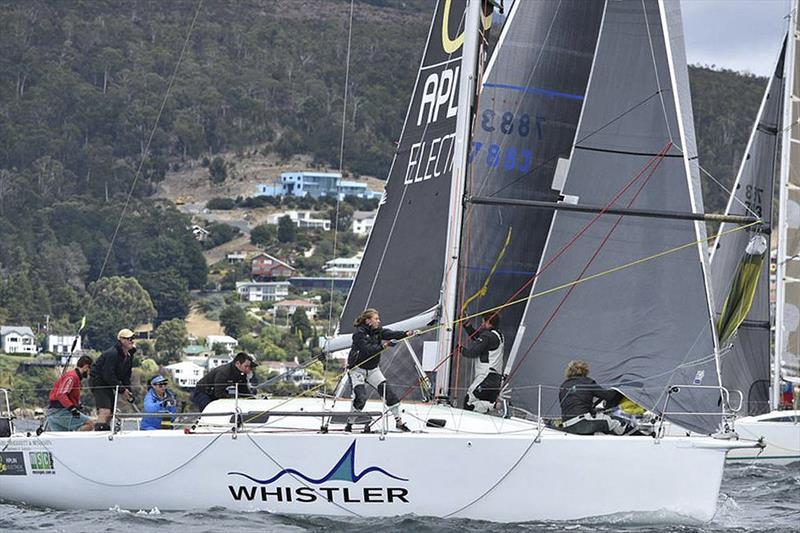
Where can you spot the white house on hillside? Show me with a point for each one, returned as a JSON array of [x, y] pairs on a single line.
[[363, 222], [17, 339], [288, 307], [210, 362], [62, 344], [263, 291], [301, 219], [343, 267], [229, 343], [185, 373]]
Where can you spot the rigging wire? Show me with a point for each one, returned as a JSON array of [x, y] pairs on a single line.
[[341, 158]]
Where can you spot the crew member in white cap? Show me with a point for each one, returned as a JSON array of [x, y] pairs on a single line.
[[159, 399], [112, 369]]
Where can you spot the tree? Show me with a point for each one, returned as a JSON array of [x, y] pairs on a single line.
[[170, 339], [301, 326], [263, 234], [287, 231], [170, 294], [233, 320], [217, 171], [345, 216], [118, 302]]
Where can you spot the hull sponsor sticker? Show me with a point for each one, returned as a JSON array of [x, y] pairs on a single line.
[[41, 463], [384, 488], [12, 464]]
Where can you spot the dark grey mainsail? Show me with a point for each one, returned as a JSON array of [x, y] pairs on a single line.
[[401, 271], [740, 258], [527, 115], [647, 325]]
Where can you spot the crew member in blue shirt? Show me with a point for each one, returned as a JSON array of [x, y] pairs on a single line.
[[159, 399]]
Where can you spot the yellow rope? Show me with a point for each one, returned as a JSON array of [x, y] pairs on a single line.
[[485, 287]]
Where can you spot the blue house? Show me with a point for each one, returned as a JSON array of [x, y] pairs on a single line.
[[315, 184]]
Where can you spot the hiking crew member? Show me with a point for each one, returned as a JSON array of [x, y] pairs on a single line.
[[63, 412], [369, 340], [112, 369], [159, 399], [215, 384], [487, 350], [577, 397]]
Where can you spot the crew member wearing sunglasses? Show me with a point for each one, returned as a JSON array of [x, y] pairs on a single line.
[[159, 399]]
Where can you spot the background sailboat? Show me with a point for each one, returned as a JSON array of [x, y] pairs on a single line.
[[746, 365]]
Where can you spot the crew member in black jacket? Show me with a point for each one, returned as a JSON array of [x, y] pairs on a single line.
[[215, 384], [579, 394], [369, 340], [112, 369]]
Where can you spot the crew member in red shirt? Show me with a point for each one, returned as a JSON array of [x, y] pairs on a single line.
[[63, 413]]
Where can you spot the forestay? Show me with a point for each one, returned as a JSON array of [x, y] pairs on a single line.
[[739, 261], [648, 325]]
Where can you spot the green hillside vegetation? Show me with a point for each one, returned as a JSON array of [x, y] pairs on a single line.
[[81, 86]]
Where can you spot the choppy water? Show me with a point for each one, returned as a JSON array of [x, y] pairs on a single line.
[[753, 498]]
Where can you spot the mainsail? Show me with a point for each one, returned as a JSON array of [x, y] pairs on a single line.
[[740, 264], [526, 119], [401, 271], [641, 320]]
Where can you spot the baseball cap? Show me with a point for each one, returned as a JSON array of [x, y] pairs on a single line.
[[158, 379], [125, 333]]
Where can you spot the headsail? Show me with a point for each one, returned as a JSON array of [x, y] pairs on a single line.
[[647, 325], [527, 115], [740, 260]]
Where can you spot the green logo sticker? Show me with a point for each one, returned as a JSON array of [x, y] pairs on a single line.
[[41, 463]]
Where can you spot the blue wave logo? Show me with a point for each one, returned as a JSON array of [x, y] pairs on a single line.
[[344, 470]]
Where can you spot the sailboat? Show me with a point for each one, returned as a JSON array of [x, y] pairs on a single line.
[[555, 59], [740, 268]]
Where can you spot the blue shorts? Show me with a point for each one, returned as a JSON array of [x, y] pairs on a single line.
[[60, 419]]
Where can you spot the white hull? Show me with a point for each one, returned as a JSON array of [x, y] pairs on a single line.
[[781, 433], [476, 467]]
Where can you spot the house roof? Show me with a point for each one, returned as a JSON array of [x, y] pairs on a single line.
[[284, 263], [221, 338], [364, 215], [19, 330], [182, 364], [194, 349], [295, 303]]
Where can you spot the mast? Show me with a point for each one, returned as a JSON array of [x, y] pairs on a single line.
[[783, 202], [466, 92]]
